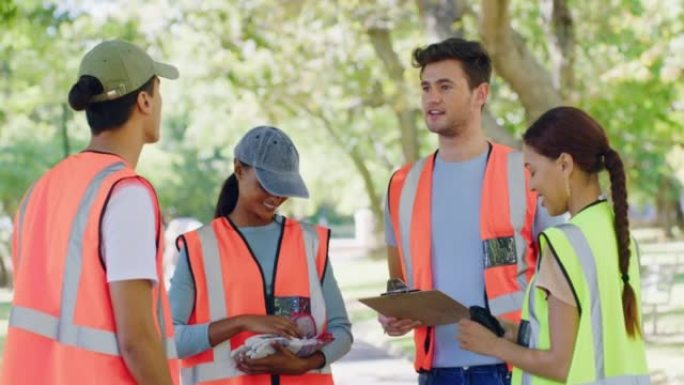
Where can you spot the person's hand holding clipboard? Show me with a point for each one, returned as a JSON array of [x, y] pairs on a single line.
[[404, 309], [428, 308]]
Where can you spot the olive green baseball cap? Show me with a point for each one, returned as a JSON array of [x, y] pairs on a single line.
[[122, 68]]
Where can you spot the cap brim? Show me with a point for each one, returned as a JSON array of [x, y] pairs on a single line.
[[282, 184], [166, 70]]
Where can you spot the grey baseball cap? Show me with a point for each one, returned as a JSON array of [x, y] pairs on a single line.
[[275, 160]]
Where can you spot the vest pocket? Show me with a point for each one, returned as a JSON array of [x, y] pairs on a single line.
[[286, 306], [298, 310], [500, 252]]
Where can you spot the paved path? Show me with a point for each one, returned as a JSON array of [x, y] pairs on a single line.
[[367, 364]]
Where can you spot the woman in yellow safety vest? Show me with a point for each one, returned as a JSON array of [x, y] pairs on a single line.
[[581, 316]]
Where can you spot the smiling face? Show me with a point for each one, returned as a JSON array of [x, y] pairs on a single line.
[[449, 103], [254, 203], [548, 178]]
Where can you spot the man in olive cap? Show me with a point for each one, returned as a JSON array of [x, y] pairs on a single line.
[[89, 303]]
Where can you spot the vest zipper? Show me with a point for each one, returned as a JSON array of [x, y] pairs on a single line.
[[275, 379], [269, 298]]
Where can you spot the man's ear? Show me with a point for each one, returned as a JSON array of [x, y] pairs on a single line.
[[482, 93], [144, 102]]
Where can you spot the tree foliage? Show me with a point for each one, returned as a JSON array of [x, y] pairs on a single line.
[[337, 75]]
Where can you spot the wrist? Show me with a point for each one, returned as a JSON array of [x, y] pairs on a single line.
[[240, 323], [511, 329], [498, 347], [313, 362]]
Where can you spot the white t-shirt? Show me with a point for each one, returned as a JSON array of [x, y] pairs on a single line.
[[129, 234]]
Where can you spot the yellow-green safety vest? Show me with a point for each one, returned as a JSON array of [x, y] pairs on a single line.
[[586, 250]]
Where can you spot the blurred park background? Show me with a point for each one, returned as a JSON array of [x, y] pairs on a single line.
[[337, 76]]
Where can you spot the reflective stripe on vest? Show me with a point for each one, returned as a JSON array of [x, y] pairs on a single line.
[[318, 311], [223, 366], [535, 327], [517, 203], [406, 202], [168, 343], [587, 261], [62, 328], [623, 380], [586, 258], [507, 303]]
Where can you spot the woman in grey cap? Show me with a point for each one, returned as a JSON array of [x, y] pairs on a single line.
[[252, 272]]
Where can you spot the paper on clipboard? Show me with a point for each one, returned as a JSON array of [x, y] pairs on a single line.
[[431, 307]]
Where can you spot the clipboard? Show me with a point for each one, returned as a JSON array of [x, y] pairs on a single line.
[[431, 307]]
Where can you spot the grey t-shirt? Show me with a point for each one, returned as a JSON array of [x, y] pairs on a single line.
[[457, 251], [263, 241]]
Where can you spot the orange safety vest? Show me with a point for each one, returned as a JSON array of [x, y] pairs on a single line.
[[506, 219], [62, 328], [229, 282]]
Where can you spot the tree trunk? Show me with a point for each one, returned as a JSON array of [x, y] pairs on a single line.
[[560, 31], [668, 208], [5, 273], [514, 62], [406, 115], [357, 158], [496, 132], [442, 18]]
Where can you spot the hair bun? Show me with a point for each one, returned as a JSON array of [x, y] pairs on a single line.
[[81, 92]]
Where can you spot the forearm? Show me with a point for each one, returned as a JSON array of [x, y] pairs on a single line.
[[314, 361], [393, 263], [544, 363], [339, 347], [225, 329], [137, 334], [191, 339], [338, 320], [145, 359]]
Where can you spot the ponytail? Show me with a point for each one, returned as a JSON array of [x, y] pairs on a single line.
[[83, 91], [227, 198], [618, 189]]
